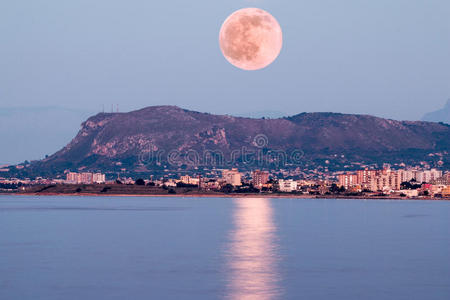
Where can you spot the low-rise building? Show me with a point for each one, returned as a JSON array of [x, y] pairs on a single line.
[[84, 178], [210, 184], [410, 193], [446, 191], [286, 186], [186, 179]]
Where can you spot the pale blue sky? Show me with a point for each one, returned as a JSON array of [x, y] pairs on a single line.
[[389, 58]]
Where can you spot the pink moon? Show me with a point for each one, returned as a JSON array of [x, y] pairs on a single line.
[[250, 39]]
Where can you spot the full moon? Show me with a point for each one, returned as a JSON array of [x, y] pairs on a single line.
[[250, 39]]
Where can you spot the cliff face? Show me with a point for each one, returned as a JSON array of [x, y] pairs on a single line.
[[115, 141]]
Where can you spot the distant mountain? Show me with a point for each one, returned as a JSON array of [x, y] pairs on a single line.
[[170, 139], [441, 115]]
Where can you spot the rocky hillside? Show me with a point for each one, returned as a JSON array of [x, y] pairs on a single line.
[[168, 137]]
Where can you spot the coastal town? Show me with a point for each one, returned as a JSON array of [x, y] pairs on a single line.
[[408, 183]]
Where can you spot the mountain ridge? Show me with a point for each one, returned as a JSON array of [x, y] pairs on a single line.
[[117, 142]]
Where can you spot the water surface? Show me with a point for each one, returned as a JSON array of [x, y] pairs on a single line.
[[222, 248]]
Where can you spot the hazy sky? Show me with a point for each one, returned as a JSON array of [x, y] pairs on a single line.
[[389, 58]]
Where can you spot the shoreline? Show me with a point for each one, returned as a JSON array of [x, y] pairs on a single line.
[[119, 190], [200, 195]]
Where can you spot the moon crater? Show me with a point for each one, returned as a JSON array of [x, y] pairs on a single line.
[[250, 39]]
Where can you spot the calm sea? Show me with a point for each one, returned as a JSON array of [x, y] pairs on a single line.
[[223, 248]]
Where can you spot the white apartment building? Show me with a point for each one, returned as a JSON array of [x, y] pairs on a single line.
[[386, 181], [98, 178], [348, 180], [419, 175], [189, 180], [85, 178], [232, 177], [407, 175], [287, 185], [428, 175]]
